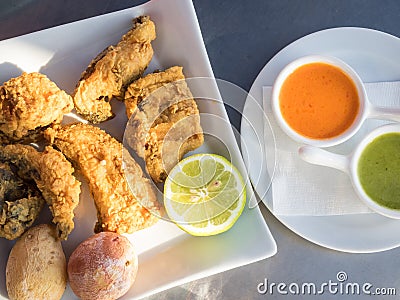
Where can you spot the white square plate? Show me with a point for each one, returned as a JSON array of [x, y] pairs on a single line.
[[167, 256]]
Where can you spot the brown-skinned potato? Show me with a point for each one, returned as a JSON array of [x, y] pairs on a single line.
[[36, 267]]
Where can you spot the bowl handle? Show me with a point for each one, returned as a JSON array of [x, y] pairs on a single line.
[[384, 113], [321, 157]]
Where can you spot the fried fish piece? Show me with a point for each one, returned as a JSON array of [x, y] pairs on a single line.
[[29, 103], [98, 156], [20, 203], [165, 124], [113, 69], [53, 176]]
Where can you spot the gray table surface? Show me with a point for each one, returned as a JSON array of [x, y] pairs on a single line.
[[241, 37]]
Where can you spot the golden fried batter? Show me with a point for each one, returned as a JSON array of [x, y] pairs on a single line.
[[113, 69], [166, 122], [20, 203], [99, 158], [29, 103], [138, 90], [52, 174]]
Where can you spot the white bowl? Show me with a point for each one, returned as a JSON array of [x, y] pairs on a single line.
[[363, 112], [349, 164]]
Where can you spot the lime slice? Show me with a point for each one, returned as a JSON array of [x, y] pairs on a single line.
[[204, 194]]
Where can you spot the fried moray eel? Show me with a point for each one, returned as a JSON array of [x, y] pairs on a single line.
[[52, 174], [166, 121], [98, 156], [20, 203], [28, 104], [113, 69]]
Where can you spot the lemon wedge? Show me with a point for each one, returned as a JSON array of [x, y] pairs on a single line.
[[204, 194]]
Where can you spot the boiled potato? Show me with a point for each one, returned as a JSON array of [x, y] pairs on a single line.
[[36, 268], [102, 267]]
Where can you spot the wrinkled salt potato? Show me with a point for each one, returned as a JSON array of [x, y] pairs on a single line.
[[36, 268], [102, 267]]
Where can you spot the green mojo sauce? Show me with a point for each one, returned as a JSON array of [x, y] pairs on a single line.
[[379, 170]]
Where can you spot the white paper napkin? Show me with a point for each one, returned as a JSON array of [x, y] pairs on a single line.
[[300, 188]]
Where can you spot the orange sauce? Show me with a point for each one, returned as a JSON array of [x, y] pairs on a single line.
[[319, 101]]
